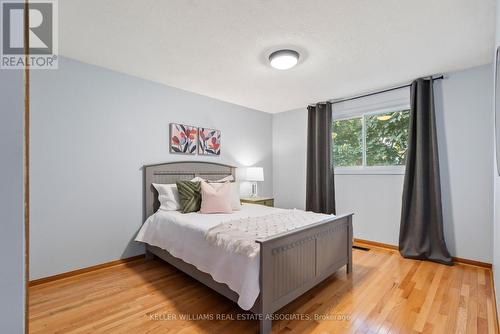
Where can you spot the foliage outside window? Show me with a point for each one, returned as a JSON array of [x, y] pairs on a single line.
[[347, 142], [375, 139]]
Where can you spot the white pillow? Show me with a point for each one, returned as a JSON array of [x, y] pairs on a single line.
[[235, 193], [168, 196], [229, 178], [224, 179]]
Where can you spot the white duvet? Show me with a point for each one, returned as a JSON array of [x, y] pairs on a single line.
[[183, 236]]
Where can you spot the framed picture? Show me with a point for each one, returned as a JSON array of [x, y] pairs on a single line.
[[497, 109], [183, 138], [209, 141]]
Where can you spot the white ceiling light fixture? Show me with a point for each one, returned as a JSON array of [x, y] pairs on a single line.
[[284, 59]]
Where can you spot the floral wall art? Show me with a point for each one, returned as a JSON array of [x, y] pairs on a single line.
[[183, 138], [209, 141], [187, 139]]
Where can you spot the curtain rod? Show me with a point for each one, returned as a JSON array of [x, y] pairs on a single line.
[[378, 91]]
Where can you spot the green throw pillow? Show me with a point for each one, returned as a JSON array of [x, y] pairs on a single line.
[[189, 195]]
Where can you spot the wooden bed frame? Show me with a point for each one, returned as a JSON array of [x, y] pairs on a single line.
[[291, 263]]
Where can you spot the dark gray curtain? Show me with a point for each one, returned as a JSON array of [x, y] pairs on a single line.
[[320, 189], [421, 233]]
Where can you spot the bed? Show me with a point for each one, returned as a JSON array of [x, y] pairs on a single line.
[[287, 265]]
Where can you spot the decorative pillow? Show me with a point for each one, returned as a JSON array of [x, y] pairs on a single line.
[[225, 179], [168, 196], [235, 193], [189, 195], [235, 196], [215, 199]]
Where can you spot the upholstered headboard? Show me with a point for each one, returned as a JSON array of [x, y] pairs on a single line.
[[172, 172]]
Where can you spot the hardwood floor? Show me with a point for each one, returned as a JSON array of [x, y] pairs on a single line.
[[384, 294]]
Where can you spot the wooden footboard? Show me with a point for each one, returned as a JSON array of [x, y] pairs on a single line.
[[294, 262]]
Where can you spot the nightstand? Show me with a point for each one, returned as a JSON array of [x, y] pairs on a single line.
[[267, 201]]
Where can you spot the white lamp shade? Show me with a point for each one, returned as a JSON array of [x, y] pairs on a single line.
[[252, 174]]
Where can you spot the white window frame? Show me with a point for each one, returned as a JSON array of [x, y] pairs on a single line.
[[364, 169]]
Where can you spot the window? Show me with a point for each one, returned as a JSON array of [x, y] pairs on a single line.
[[376, 139], [347, 139]]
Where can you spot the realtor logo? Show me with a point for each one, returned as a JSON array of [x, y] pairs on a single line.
[[42, 35]]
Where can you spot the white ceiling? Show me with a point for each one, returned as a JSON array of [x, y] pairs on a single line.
[[219, 48]]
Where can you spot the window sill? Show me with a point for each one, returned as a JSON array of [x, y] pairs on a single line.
[[388, 170]]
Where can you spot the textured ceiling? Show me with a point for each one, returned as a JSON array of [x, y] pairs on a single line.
[[219, 48]]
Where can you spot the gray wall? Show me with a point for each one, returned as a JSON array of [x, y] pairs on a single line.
[[289, 158], [92, 130], [11, 202], [463, 103]]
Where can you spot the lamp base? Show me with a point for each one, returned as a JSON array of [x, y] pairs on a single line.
[[254, 190]]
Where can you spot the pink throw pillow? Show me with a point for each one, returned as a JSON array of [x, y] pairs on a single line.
[[215, 200]]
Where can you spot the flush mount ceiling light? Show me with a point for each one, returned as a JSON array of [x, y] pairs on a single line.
[[284, 59]]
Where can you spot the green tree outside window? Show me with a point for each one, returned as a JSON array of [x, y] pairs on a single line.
[[385, 142]]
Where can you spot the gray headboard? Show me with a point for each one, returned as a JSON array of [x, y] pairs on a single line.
[[172, 172]]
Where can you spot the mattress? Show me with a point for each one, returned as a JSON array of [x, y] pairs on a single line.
[[183, 236]]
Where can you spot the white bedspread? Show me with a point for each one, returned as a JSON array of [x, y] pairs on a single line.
[[184, 236]]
